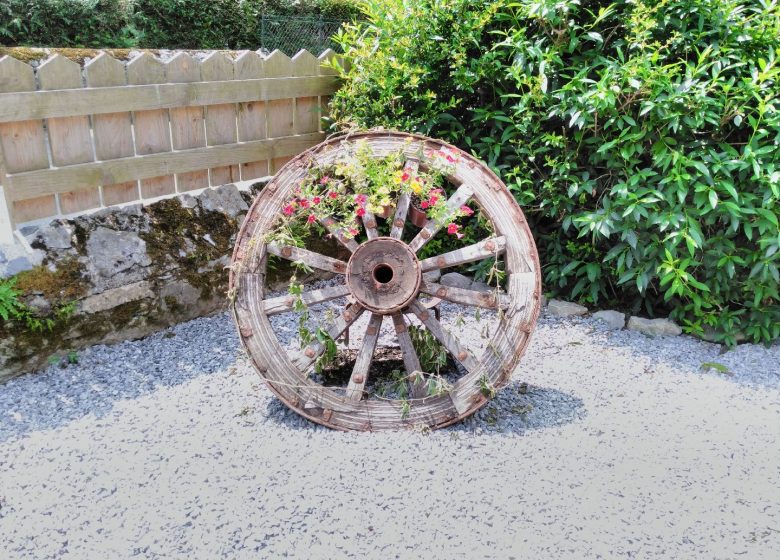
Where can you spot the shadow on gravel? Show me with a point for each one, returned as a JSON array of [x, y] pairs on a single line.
[[106, 375], [746, 365], [516, 409]]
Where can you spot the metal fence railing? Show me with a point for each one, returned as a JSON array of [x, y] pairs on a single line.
[[291, 34]]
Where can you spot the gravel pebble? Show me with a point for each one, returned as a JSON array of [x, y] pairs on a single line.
[[606, 444]]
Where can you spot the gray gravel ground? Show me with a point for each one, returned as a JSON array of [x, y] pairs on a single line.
[[171, 447]]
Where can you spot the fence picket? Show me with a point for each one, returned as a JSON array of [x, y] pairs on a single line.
[[220, 119], [152, 130], [112, 132], [281, 115], [69, 137], [252, 122], [23, 146], [307, 110], [188, 128]]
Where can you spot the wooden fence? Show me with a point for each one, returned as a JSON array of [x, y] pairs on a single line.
[[75, 138]]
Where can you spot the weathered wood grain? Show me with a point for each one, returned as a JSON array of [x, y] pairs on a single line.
[[310, 258], [357, 381], [286, 303], [491, 247], [46, 181], [70, 102]]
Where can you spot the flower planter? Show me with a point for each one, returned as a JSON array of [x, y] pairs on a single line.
[[387, 211], [417, 216]]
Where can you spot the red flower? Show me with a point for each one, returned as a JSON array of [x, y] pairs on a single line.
[[405, 176], [424, 204], [333, 194], [311, 219], [353, 232], [466, 210], [450, 159], [433, 199], [288, 210], [304, 202], [360, 211], [361, 199], [316, 200], [452, 229]]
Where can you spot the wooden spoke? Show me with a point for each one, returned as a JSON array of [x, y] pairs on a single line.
[[309, 355], [309, 258], [451, 343], [402, 206], [333, 228], [488, 300], [369, 221], [282, 304], [411, 361], [489, 247], [363, 361], [432, 227]]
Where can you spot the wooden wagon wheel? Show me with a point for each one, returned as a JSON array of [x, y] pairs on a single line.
[[384, 279]]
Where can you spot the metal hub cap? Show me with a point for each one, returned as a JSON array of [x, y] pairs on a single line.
[[384, 275]]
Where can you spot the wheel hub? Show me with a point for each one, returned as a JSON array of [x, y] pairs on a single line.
[[384, 275]]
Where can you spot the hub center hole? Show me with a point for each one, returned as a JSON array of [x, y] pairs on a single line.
[[383, 273]]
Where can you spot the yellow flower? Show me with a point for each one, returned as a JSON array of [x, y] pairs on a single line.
[[416, 186]]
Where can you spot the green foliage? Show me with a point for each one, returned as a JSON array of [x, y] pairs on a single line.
[[13, 309], [10, 306], [641, 138], [431, 353], [157, 24]]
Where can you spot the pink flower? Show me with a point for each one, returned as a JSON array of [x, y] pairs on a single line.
[[466, 210], [361, 211], [353, 232], [288, 210], [324, 180], [436, 191], [450, 158], [311, 219], [316, 200], [452, 229], [304, 202], [361, 199], [424, 204], [333, 194], [433, 199]]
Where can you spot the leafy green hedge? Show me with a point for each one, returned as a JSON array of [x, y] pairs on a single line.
[[155, 24], [641, 138]]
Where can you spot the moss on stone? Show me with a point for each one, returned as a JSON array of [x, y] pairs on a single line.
[[59, 286]]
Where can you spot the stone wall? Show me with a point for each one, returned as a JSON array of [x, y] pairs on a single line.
[[120, 273]]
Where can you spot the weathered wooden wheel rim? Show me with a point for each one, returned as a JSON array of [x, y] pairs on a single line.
[[286, 376]]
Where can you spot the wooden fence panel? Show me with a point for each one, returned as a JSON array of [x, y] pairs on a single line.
[[220, 119], [23, 144], [152, 128], [116, 132], [113, 132], [252, 121]]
